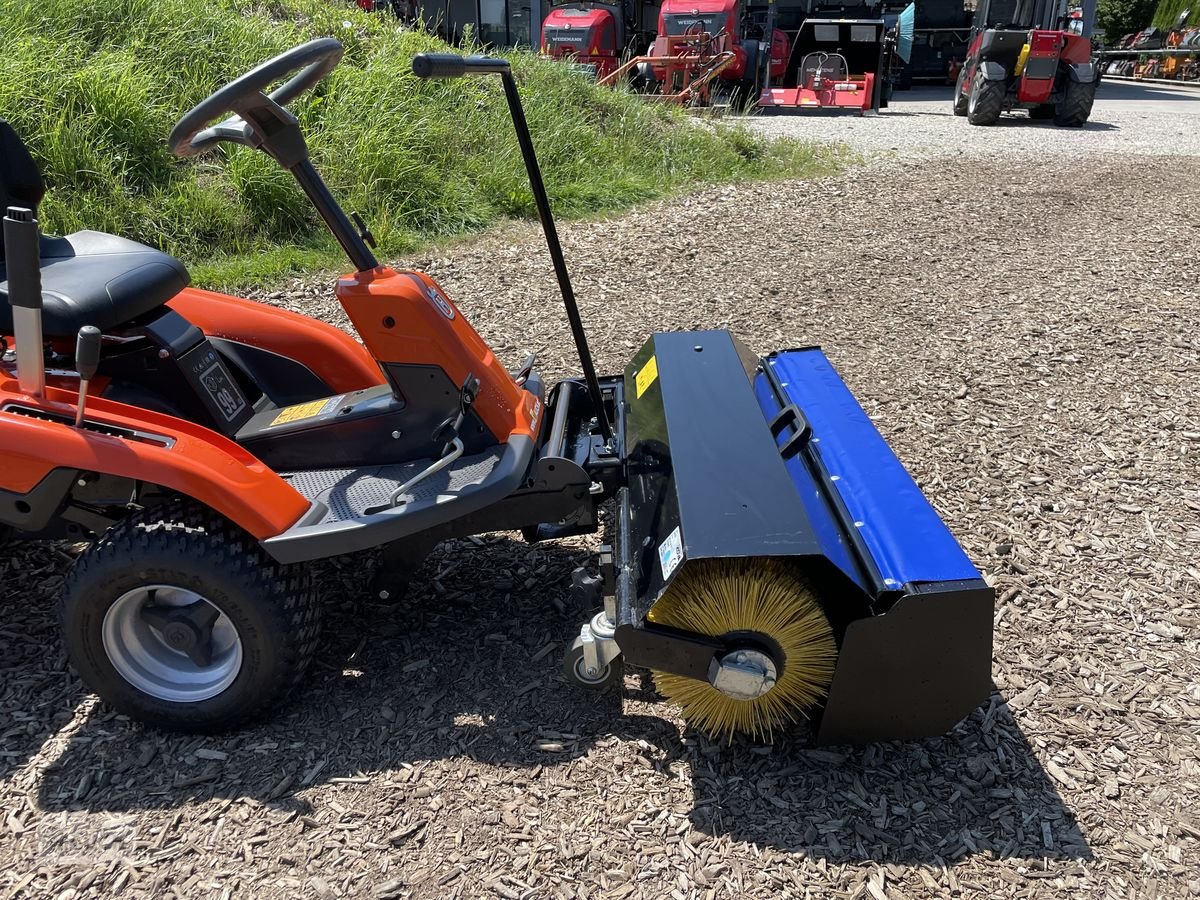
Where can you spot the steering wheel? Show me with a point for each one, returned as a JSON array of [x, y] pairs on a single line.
[[259, 120]]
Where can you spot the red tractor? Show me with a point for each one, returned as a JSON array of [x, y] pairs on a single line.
[[1027, 55]]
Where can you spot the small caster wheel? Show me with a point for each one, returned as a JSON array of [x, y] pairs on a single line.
[[575, 670]]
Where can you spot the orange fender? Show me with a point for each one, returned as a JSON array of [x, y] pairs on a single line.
[[191, 459], [332, 355]]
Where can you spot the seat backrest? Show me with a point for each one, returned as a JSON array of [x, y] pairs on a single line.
[[21, 182]]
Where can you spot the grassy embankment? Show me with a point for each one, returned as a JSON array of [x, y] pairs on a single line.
[[96, 85]]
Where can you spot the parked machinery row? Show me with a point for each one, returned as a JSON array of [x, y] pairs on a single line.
[[1172, 54]]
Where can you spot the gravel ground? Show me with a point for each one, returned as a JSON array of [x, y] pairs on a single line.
[[1024, 333], [1127, 118]]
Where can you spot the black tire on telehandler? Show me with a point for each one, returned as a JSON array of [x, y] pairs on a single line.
[[1076, 104], [960, 94], [986, 101]]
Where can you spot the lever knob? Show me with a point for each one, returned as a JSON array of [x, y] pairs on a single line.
[[87, 352]]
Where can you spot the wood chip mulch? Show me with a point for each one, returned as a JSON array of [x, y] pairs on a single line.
[[1027, 337]]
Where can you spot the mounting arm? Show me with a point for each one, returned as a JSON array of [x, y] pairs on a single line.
[[451, 65]]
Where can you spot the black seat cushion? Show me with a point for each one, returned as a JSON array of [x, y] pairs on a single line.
[[91, 278], [88, 278]]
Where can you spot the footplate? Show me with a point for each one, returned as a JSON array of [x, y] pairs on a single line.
[[350, 510]]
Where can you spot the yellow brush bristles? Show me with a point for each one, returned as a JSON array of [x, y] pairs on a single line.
[[720, 596]]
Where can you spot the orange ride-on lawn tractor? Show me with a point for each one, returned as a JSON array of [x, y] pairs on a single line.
[[1025, 55], [771, 558]]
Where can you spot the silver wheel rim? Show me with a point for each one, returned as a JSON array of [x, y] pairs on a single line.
[[583, 676], [142, 655]]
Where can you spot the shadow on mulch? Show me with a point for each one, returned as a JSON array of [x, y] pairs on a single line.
[[38, 695], [458, 672], [978, 790]]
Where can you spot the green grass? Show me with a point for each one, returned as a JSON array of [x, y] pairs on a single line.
[[1168, 13], [96, 85]]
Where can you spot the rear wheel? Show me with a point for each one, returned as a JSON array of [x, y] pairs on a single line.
[[1045, 111], [986, 101], [178, 619], [1076, 104], [960, 94]]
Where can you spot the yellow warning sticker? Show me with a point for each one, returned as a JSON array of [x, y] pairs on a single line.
[[301, 411], [646, 376]]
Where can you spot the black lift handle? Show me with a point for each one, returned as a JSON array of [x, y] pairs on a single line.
[[451, 65]]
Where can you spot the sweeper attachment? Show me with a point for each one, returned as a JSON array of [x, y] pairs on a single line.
[[770, 557]]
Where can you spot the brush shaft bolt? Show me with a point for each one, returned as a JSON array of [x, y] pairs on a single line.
[[743, 674]]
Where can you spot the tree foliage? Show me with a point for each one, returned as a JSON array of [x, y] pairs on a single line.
[[1121, 17]]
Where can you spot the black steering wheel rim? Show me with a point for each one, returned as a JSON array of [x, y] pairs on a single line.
[[311, 62]]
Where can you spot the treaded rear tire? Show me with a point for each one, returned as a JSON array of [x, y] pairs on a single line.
[[986, 101], [960, 95], [273, 608], [1076, 105]]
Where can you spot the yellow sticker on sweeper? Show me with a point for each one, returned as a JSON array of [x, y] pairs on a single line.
[[646, 377], [301, 411]]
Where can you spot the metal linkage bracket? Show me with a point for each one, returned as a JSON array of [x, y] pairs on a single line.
[[599, 644]]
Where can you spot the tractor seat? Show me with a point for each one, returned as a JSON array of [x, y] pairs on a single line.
[[91, 278], [88, 278]]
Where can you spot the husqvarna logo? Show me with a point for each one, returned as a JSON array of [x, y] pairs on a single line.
[[439, 300]]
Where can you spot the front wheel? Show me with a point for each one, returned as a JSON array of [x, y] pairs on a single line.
[[180, 620], [1076, 104], [576, 671], [986, 101], [960, 94]]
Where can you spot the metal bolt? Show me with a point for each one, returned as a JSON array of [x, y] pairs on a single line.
[[592, 671], [164, 353], [385, 594], [396, 435]]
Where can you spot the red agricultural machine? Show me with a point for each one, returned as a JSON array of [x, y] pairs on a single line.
[[595, 36], [837, 60], [696, 51], [781, 53], [1027, 55]]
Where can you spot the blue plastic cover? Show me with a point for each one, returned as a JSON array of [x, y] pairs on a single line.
[[904, 535], [825, 525]]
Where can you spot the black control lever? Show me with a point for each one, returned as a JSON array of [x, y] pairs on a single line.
[[521, 375], [87, 361], [363, 231], [449, 429], [451, 65]]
